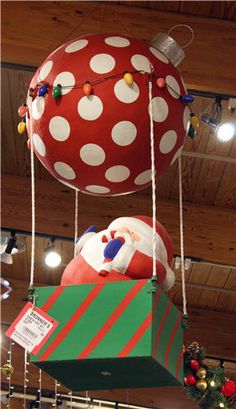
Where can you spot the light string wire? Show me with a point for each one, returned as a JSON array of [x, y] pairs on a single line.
[[10, 388], [26, 380], [181, 225], [154, 242], [76, 219], [32, 200]]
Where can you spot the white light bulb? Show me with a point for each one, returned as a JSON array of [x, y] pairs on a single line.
[[221, 405], [225, 132], [52, 258], [212, 383]]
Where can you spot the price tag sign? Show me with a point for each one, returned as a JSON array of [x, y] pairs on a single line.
[[32, 328]]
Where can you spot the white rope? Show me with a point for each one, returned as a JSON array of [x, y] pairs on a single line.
[[76, 220], [40, 388], [154, 242], [10, 388], [32, 202], [26, 363], [182, 237]]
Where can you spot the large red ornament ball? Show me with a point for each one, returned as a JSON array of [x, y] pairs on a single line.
[[229, 388], [100, 143]]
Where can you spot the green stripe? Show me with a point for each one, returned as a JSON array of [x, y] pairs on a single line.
[[165, 334], [42, 294], [63, 308], [124, 328], [91, 322]]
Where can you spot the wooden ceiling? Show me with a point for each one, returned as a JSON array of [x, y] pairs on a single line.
[[29, 33]]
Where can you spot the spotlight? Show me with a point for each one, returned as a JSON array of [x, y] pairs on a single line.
[[213, 117], [10, 247], [225, 132], [52, 258]]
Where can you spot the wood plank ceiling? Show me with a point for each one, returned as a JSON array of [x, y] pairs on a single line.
[[206, 182]]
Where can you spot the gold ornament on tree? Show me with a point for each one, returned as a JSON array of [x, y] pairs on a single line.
[[201, 373], [7, 369], [201, 385]]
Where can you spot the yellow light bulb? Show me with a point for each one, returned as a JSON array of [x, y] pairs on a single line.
[[128, 78], [21, 128]]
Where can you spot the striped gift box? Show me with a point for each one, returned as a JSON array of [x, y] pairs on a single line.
[[114, 335]]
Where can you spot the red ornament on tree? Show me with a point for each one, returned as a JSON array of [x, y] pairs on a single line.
[[229, 388], [194, 364], [190, 380]]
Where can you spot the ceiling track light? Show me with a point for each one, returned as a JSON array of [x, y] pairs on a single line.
[[224, 131], [10, 247], [51, 257]]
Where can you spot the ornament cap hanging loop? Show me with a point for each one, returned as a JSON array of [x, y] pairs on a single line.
[[189, 28]]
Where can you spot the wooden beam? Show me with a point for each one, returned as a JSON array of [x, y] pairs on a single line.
[[204, 68], [209, 231]]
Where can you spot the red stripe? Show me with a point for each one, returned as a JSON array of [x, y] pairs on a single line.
[[180, 359], [52, 299], [112, 319], [70, 324], [136, 337], [171, 340], [160, 328]]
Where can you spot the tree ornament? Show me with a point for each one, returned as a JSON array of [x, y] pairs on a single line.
[[56, 91], [194, 364], [229, 388], [160, 82], [191, 380], [7, 369], [21, 127], [87, 88], [201, 385], [128, 78], [193, 349], [22, 110], [43, 90], [201, 373]]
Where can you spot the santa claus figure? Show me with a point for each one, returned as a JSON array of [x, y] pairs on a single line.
[[123, 251]]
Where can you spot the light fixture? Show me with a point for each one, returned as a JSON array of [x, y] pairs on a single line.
[[225, 131], [213, 118], [52, 257], [10, 247], [5, 284]]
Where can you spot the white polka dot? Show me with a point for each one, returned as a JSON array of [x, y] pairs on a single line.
[[117, 173], [97, 189], [173, 86], [65, 79], [159, 55], [186, 118], [126, 93], [39, 145], [92, 154], [76, 46], [59, 128], [102, 63], [168, 141], [38, 106], [45, 70], [176, 155], [141, 63], [64, 170], [143, 177], [124, 133], [116, 41], [90, 108], [160, 109]]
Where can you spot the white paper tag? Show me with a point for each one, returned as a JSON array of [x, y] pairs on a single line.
[[31, 328]]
